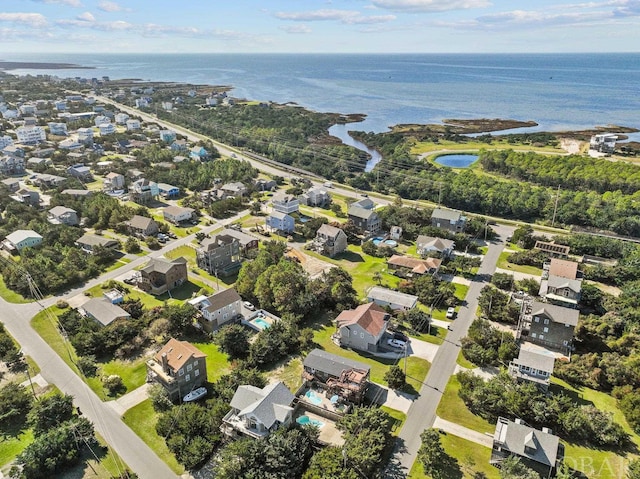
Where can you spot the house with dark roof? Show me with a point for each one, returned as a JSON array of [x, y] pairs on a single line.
[[366, 220], [103, 311], [81, 172], [533, 364], [393, 299], [142, 226], [258, 412], [179, 367], [347, 378], [448, 219], [218, 309], [161, 275], [88, 242], [246, 241], [362, 328], [550, 326], [219, 255], [537, 449], [429, 244], [27, 196], [330, 240], [406, 266]]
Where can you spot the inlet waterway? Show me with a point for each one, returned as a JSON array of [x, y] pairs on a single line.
[[342, 131]]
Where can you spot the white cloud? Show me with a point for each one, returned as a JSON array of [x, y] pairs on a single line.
[[108, 6], [296, 29], [86, 17], [344, 16], [71, 3], [427, 6], [32, 19]]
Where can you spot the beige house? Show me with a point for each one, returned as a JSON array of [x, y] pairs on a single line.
[[161, 275]]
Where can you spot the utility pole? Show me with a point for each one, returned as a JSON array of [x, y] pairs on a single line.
[[555, 207]]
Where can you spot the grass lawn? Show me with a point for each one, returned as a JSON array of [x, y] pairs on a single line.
[[147, 300], [289, 372], [461, 290], [464, 362], [11, 296], [426, 147], [185, 251], [133, 374], [436, 335], [469, 456], [504, 264], [453, 409], [119, 263], [47, 328], [13, 443], [417, 370], [217, 361], [142, 420], [398, 419]]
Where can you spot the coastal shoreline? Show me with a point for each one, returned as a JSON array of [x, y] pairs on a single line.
[[8, 66]]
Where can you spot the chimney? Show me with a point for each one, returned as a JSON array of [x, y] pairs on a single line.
[[165, 363]]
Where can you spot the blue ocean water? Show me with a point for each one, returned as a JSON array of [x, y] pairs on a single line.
[[559, 91]]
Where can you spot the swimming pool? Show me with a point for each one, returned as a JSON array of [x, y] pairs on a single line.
[[313, 398], [304, 420], [261, 323], [377, 241]]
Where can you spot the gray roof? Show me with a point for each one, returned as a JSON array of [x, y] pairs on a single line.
[[166, 186], [104, 311], [279, 215], [541, 360], [328, 230], [446, 214], [222, 299], [541, 447], [162, 265], [560, 282], [140, 222], [94, 240], [268, 405], [359, 212], [436, 243], [74, 192], [390, 296], [21, 235], [61, 210], [557, 314], [242, 237], [11, 181], [365, 203], [176, 210], [330, 363]]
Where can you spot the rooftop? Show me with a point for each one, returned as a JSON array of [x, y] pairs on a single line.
[[525, 441], [178, 353], [331, 364], [557, 314], [392, 297], [370, 317]]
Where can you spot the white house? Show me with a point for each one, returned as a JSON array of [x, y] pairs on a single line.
[[218, 309], [58, 129], [428, 244], [30, 135], [107, 128], [285, 203], [133, 124], [177, 214], [5, 141], [98, 120], [394, 299], [121, 118]]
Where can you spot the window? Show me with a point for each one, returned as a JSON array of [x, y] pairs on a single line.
[[187, 377], [546, 320], [565, 342], [526, 368], [534, 335], [189, 367], [545, 330], [362, 335], [544, 373], [196, 373], [536, 319], [181, 372], [542, 336]]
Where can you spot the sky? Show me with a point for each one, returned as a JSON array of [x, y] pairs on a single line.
[[318, 26]]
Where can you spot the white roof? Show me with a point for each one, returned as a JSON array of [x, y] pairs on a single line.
[[21, 235]]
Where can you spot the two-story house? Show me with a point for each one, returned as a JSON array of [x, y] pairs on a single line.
[[144, 191], [218, 309], [219, 255], [142, 226], [551, 326], [278, 221], [258, 412], [347, 378], [448, 219], [561, 283], [319, 197], [179, 367], [161, 275], [533, 364], [114, 181], [177, 214], [284, 203], [236, 189], [430, 244], [362, 328], [166, 190], [366, 220], [27, 196], [63, 215], [21, 239], [330, 240], [247, 242], [81, 172]]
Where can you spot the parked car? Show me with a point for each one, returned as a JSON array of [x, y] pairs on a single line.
[[172, 235], [130, 280], [451, 312], [396, 343], [249, 306]]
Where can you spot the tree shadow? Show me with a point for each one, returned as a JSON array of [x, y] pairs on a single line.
[[350, 256]]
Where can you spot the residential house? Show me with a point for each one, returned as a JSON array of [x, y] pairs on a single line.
[[366, 220], [284, 203], [106, 128], [550, 326], [362, 328], [179, 367], [13, 184], [83, 173], [393, 299], [319, 197], [533, 364], [27, 109], [347, 378], [5, 141], [13, 151], [218, 309], [20, 239], [258, 412], [63, 215], [553, 249], [161, 275], [11, 165], [47, 181], [177, 214], [237, 189], [604, 142], [113, 181], [58, 129], [88, 242], [219, 255], [77, 193], [406, 266], [448, 219], [60, 105], [31, 135], [85, 136], [246, 241], [537, 449], [260, 184], [428, 244], [133, 124], [142, 226], [121, 118], [330, 240], [103, 311], [179, 146], [167, 136], [278, 221], [167, 105], [168, 191], [198, 153], [100, 119], [27, 196], [70, 144], [143, 191], [561, 283]]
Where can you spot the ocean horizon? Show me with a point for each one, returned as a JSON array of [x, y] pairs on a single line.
[[558, 91]]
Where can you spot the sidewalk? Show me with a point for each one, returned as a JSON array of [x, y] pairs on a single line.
[[129, 400], [464, 432]]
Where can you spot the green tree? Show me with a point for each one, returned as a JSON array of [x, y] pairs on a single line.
[[512, 468], [15, 404], [395, 377], [132, 245], [50, 411], [633, 469], [233, 340], [431, 454], [159, 398], [329, 463]]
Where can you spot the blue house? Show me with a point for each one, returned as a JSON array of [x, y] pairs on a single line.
[[179, 146], [280, 222], [168, 191], [199, 153]]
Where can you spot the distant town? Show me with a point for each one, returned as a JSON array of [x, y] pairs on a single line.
[[183, 299]]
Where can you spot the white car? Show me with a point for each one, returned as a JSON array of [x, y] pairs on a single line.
[[249, 306], [396, 343], [451, 312]]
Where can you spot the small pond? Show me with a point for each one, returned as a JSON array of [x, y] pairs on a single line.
[[456, 161]]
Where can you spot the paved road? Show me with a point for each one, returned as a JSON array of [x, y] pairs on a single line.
[[422, 413]]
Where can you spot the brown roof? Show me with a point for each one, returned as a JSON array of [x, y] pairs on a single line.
[[417, 265], [178, 353], [563, 268], [140, 222], [369, 317]]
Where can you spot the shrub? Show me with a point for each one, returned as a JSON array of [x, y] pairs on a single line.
[[395, 377], [87, 364], [113, 384], [62, 304]]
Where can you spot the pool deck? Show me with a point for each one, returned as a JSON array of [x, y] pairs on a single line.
[[329, 433]]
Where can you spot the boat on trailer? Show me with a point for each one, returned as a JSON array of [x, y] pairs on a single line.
[[195, 394]]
